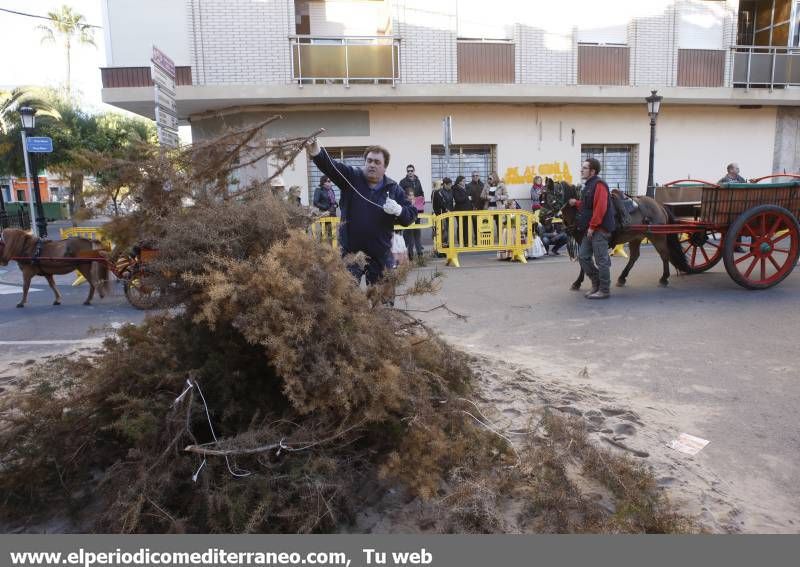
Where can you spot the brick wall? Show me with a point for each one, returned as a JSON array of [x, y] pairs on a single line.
[[240, 41], [729, 32], [246, 42], [654, 49], [428, 47], [544, 59]]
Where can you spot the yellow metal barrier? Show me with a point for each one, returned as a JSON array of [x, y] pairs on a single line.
[[326, 229], [484, 231], [427, 222], [619, 250], [90, 233]]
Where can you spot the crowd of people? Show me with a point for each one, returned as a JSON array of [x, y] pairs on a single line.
[[447, 195], [372, 204]]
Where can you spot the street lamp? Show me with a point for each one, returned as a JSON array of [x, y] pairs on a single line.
[[28, 118], [653, 106]]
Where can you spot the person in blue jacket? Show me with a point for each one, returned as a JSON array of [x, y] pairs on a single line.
[[370, 203]]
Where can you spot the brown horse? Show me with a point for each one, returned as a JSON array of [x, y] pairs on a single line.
[[57, 257], [648, 212]]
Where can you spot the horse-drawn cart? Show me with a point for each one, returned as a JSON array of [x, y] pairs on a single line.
[[144, 288], [752, 227]]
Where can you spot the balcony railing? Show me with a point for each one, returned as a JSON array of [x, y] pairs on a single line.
[[765, 67], [485, 62], [701, 68], [345, 60], [117, 77], [604, 64]]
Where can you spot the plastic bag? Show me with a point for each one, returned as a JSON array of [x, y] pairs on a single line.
[[398, 244], [537, 250], [399, 250]]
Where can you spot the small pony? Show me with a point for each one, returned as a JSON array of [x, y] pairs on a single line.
[[54, 258]]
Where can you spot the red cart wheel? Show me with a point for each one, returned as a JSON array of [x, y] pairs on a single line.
[[703, 249], [143, 290], [761, 246]]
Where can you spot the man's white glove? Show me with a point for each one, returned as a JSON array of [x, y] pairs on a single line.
[[392, 207]]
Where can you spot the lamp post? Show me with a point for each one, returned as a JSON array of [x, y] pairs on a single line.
[[653, 106], [38, 222]]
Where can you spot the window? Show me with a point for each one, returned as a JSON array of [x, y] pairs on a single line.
[[767, 22], [618, 164], [6, 191], [21, 195], [350, 156], [463, 161]]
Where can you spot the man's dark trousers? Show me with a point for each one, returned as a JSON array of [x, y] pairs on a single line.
[[595, 249]]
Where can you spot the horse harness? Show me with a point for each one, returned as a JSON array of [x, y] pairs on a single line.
[[34, 259]]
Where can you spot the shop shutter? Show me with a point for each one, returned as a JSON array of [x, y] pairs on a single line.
[[463, 161]]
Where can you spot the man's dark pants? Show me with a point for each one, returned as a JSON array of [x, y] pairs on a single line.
[[595, 249], [413, 239], [373, 269]]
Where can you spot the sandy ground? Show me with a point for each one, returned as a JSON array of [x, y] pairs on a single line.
[[702, 357]]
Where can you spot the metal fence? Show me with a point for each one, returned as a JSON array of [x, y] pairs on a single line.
[[345, 60], [18, 219], [765, 67]]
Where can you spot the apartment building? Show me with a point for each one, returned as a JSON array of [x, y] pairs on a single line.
[[532, 87]]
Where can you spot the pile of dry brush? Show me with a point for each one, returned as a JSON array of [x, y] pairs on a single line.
[[278, 398]]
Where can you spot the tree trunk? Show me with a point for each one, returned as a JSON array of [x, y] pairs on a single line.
[[76, 201], [69, 72]]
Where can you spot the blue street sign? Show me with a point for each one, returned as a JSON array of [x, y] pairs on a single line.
[[40, 145]]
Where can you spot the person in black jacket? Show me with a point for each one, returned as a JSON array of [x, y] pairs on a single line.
[[462, 203], [413, 188], [442, 202], [324, 197]]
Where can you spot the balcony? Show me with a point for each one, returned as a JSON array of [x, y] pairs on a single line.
[[765, 67], [117, 77], [701, 68], [485, 62], [345, 60], [604, 65]]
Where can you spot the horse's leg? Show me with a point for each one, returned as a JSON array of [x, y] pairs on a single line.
[[660, 244], [52, 283], [576, 285], [634, 250], [27, 276], [86, 272]]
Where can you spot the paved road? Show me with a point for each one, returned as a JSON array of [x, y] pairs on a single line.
[[41, 328], [706, 356]]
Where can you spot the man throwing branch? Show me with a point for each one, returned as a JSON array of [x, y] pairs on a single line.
[[370, 203], [596, 217]]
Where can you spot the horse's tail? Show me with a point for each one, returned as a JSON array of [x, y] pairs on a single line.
[[676, 256]]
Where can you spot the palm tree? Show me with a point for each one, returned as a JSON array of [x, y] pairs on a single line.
[[67, 25], [11, 101]]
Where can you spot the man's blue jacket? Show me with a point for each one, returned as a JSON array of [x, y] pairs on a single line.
[[365, 227]]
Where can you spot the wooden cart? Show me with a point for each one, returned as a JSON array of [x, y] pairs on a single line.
[[752, 227]]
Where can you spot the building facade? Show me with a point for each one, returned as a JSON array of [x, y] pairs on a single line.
[[532, 88]]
